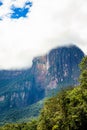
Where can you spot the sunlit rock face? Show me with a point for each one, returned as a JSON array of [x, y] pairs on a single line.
[[64, 67], [58, 69]]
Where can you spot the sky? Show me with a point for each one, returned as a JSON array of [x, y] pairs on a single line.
[[32, 28]]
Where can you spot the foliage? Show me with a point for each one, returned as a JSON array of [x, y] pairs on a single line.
[[65, 111], [83, 76], [23, 126], [21, 115]]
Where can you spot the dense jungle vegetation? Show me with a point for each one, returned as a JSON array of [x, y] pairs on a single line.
[[65, 111]]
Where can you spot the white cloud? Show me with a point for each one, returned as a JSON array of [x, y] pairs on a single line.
[[51, 23]]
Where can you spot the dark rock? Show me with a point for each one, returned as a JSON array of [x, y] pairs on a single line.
[[59, 68]]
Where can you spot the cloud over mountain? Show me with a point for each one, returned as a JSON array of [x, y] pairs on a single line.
[[27, 31]]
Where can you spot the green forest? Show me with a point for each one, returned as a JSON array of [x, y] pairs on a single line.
[[65, 111]]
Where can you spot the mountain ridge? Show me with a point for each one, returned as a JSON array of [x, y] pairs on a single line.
[[48, 73]]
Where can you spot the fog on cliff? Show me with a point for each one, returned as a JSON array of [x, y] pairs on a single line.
[[28, 31]]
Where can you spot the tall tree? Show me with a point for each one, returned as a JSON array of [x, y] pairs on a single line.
[[83, 76]]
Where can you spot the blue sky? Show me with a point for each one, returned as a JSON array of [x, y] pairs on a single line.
[[16, 12], [32, 28], [1, 3]]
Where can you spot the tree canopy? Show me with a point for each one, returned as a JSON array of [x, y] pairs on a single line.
[[83, 76], [65, 111], [68, 109]]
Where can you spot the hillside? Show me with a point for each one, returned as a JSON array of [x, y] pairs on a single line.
[[48, 74], [65, 111]]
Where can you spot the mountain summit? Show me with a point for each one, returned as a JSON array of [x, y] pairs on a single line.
[[49, 73]]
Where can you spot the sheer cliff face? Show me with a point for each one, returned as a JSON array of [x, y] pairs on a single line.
[[39, 69], [57, 69], [64, 63]]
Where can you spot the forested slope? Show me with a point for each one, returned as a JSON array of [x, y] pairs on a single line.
[[65, 111]]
